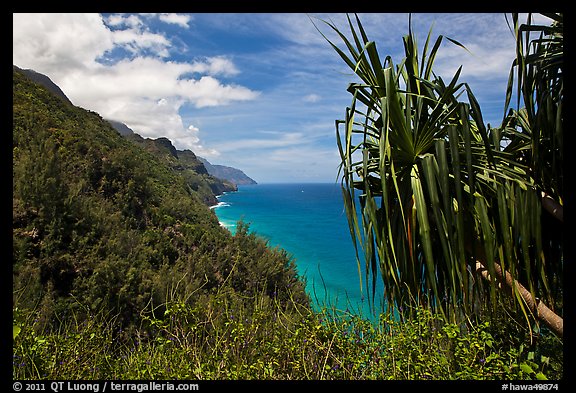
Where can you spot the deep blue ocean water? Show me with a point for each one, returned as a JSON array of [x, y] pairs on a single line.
[[309, 222]]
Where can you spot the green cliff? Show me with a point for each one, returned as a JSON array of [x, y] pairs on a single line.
[[119, 226]]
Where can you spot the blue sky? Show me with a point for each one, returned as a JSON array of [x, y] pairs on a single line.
[[259, 92]]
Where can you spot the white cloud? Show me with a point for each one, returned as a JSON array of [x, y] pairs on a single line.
[[149, 117], [145, 92], [199, 149], [155, 118], [120, 20], [208, 91], [218, 65], [136, 41], [177, 19], [57, 43], [147, 95], [148, 77], [115, 20], [133, 20], [135, 36]]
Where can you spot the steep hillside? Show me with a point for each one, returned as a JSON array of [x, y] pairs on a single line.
[[44, 81], [122, 128], [233, 175], [102, 224], [190, 168]]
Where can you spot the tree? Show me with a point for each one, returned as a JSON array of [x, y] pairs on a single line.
[[447, 210]]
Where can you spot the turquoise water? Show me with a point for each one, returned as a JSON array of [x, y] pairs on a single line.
[[309, 222]]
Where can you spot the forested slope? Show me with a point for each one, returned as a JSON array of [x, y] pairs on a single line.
[[102, 222]]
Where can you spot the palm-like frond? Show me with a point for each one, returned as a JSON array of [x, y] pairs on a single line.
[[536, 129], [428, 190]]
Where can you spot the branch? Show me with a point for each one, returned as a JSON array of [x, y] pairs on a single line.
[[551, 319]]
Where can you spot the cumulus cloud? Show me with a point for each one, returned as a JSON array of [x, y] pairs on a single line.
[[131, 33], [177, 19], [124, 20], [57, 43], [137, 41], [143, 90], [208, 91], [133, 20], [218, 65], [199, 149]]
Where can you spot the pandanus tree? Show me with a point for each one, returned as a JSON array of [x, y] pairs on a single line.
[[445, 209]]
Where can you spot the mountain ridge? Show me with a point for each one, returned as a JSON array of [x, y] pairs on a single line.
[[186, 163], [225, 173], [229, 177], [45, 81], [233, 175]]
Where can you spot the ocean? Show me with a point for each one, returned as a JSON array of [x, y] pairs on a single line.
[[309, 222]]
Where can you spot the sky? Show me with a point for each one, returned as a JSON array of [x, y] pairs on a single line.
[[259, 92]]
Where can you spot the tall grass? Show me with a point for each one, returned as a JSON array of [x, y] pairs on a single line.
[[220, 339]]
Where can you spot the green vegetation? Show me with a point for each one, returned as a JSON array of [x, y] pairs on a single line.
[[188, 166], [453, 215], [221, 338], [120, 271], [99, 219]]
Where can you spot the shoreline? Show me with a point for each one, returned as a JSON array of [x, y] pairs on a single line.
[[220, 204]]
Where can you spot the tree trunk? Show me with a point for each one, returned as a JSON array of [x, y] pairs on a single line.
[[542, 312], [552, 207]]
